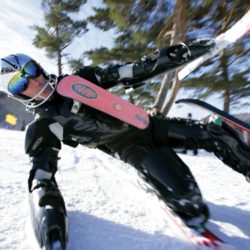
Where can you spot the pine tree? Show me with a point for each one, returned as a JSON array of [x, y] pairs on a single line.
[[138, 26], [141, 26], [60, 28], [226, 73]]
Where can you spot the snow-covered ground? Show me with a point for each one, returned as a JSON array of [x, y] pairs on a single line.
[[106, 208]]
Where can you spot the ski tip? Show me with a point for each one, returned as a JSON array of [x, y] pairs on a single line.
[[208, 240], [206, 244]]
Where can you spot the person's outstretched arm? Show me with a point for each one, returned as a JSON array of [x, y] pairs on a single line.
[[163, 60]]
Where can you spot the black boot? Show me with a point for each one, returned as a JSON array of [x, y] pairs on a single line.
[[226, 144], [222, 140], [48, 215]]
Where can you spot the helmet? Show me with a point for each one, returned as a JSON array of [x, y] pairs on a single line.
[[15, 72]]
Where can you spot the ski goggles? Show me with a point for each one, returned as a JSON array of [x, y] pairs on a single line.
[[19, 82]]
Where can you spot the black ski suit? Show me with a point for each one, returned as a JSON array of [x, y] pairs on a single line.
[[150, 150]]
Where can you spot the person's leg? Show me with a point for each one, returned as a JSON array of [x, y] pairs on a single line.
[[175, 184], [226, 144], [47, 209], [223, 141], [166, 173]]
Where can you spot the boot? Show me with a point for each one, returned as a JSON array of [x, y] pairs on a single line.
[[48, 214], [222, 140], [226, 144]]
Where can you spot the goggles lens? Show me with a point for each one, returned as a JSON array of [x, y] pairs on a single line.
[[19, 82]]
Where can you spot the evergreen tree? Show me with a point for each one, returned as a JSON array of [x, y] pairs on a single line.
[[138, 26], [226, 73], [60, 28], [141, 26]]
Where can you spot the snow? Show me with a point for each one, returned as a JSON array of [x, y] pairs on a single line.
[[108, 210]]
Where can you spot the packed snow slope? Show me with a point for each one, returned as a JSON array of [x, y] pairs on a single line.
[[107, 210]]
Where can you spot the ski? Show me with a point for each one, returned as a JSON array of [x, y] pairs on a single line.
[[83, 91], [224, 115], [201, 237]]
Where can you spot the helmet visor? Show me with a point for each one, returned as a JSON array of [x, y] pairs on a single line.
[[19, 82]]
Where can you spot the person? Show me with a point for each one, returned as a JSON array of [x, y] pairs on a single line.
[[149, 150], [195, 150]]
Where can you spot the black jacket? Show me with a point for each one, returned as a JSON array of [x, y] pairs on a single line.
[[55, 122]]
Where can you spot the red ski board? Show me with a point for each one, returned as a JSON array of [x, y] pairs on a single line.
[[202, 240], [84, 91]]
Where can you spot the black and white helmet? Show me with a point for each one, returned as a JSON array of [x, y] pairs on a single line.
[[16, 70]]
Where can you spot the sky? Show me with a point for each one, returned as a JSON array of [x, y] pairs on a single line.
[[16, 35], [17, 17]]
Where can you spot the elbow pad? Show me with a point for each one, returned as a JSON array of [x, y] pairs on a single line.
[[39, 137]]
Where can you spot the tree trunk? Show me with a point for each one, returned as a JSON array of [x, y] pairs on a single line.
[[59, 63], [224, 59], [175, 89], [177, 36], [59, 54], [224, 63]]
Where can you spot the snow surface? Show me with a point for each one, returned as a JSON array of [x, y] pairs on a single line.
[[107, 210]]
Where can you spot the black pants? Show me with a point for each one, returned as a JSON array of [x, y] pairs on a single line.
[[150, 151]]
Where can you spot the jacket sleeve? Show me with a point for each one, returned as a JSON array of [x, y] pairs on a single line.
[[104, 77], [161, 61]]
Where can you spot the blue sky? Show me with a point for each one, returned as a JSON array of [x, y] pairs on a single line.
[[17, 16]]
